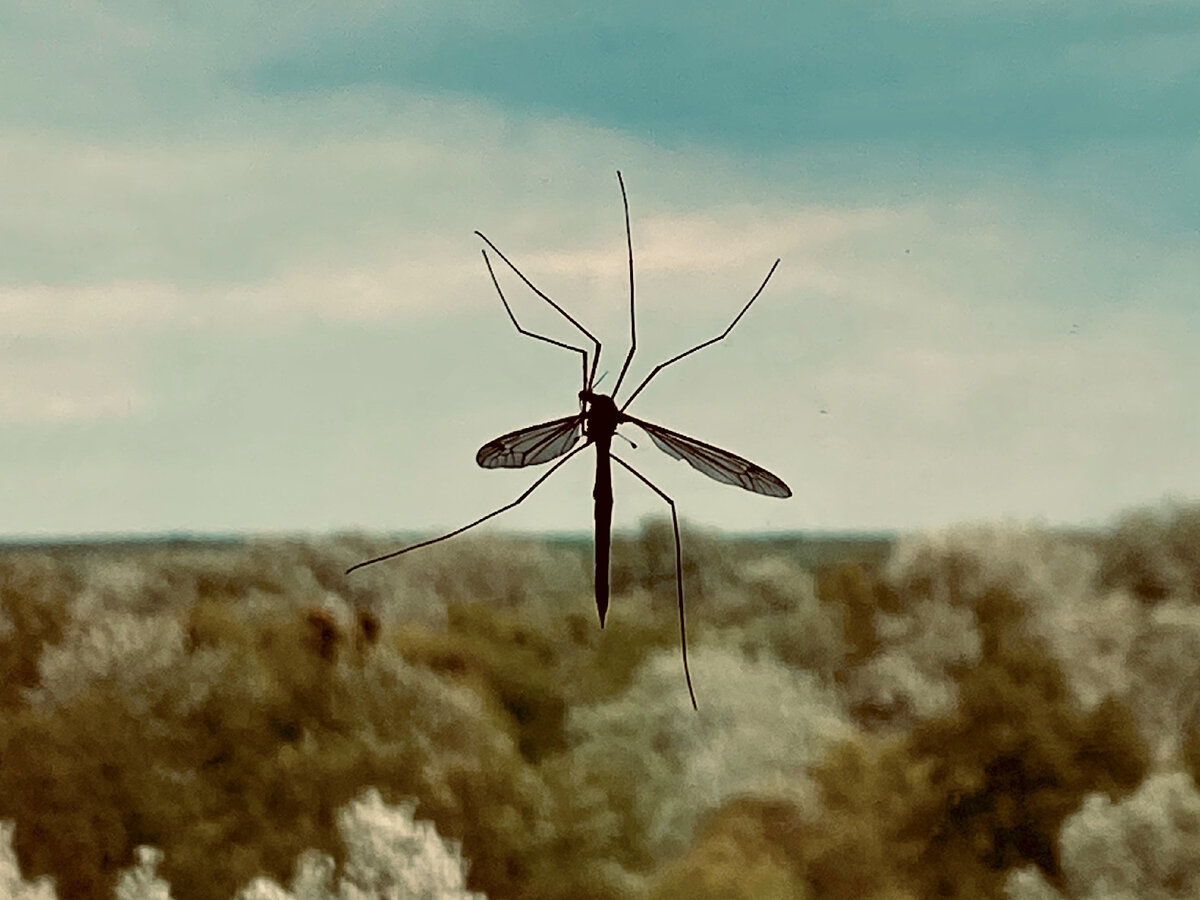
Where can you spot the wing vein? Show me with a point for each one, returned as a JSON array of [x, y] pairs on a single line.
[[718, 464], [531, 446]]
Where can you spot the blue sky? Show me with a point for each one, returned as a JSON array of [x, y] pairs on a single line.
[[239, 289]]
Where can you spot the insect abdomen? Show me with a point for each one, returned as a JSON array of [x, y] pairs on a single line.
[[602, 494]]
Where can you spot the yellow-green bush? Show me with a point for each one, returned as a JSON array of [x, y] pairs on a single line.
[[224, 702], [34, 592], [948, 808]]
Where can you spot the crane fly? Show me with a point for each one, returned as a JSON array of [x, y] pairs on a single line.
[[597, 421]]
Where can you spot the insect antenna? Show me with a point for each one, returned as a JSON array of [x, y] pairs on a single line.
[[632, 321]]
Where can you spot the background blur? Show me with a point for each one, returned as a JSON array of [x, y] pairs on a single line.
[[977, 712], [240, 298]]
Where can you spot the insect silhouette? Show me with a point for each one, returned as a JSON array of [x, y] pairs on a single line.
[[598, 418]]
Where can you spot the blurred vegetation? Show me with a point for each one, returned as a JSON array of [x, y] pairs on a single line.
[[1153, 553], [879, 719]]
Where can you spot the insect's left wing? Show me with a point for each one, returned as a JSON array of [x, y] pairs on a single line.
[[531, 446], [721, 465]]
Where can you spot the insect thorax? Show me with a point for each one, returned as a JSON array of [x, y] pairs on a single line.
[[602, 415]]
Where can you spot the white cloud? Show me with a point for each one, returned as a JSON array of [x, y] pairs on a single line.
[[936, 332], [92, 310], [68, 384]]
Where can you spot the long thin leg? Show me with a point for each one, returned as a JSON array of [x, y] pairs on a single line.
[[687, 672], [707, 343], [541, 337], [632, 321], [451, 534], [590, 379]]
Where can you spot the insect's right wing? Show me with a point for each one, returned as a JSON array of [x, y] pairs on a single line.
[[531, 446], [718, 464]]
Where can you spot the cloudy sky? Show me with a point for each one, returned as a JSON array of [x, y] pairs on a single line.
[[239, 288]]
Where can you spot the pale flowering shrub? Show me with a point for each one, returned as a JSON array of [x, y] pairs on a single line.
[[1029, 883], [1121, 621], [134, 585], [1145, 847], [912, 675], [142, 882], [35, 590], [226, 698], [1056, 578], [933, 633], [1164, 667], [409, 707], [1107, 642], [1121, 625], [1087, 627], [961, 564], [774, 608], [1155, 554], [7, 627], [12, 885], [1091, 633], [137, 655], [390, 855], [504, 571], [760, 726]]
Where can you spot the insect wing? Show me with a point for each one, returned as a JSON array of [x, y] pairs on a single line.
[[531, 446], [718, 464]]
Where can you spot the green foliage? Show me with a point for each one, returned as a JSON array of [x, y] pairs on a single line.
[[1155, 554], [647, 562], [759, 728], [1191, 753], [238, 783], [278, 713], [508, 661], [736, 855], [605, 661], [856, 595], [34, 592], [949, 808], [79, 782], [774, 609], [1145, 845], [897, 731]]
